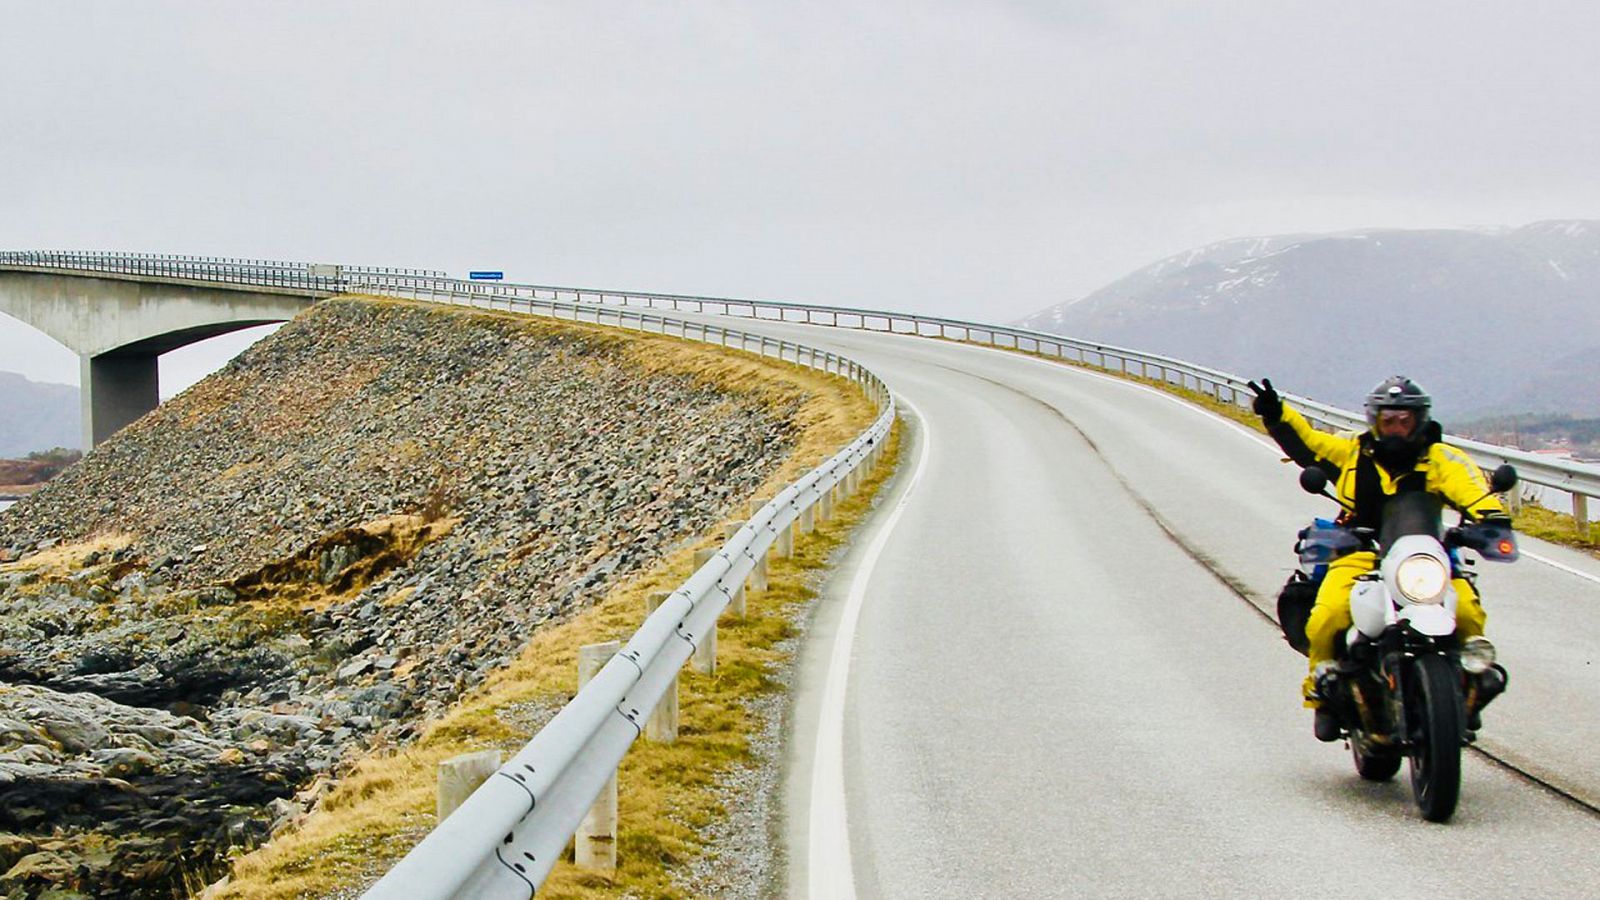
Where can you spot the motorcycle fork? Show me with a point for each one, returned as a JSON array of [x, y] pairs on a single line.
[[1371, 724], [1405, 663], [1393, 673]]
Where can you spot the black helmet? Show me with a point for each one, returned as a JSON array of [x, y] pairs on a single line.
[[1399, 392]]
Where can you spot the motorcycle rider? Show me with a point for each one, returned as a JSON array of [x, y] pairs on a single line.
[[1401, 450]]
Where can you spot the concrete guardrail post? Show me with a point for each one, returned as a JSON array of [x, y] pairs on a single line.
[[662, 726], [1580, 512], [704, 659], [459, 776], [783, 547], [758, 575], [595, 842], [825, 506], [808, 519], [736, 603]]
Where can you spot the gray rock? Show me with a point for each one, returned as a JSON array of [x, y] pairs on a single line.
[[124, 762], [73, 733]]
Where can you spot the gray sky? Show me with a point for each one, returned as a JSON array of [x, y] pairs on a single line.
[[978, 160]]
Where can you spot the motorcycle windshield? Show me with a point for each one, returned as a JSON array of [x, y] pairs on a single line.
[[1413, 512]]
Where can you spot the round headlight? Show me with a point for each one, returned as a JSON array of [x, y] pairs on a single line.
[[1477, 654], [1422, 578]]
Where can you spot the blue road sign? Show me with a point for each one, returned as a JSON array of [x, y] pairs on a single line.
[[486, 276]]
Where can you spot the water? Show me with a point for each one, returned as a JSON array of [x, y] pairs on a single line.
[[6, 503]]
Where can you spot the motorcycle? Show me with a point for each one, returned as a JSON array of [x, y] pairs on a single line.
[[1402, 686]]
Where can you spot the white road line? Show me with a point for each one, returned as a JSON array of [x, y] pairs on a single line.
[[1562, 566], [830, 875]]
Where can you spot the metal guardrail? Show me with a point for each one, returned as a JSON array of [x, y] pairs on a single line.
[[504, 839], [1571, 477], [591, 740], [1577, 479]]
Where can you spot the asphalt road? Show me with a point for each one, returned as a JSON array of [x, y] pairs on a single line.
[[1060, 682]]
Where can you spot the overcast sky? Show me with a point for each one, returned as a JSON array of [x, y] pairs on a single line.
[[978, 160]]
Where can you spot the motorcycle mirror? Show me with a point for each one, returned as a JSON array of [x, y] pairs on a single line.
[[1503, 479], [1313, 480]]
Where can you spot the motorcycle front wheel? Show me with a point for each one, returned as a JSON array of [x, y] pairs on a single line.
[[1435, 713]]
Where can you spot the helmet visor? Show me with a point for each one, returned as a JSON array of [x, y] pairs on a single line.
[[1395, 423]]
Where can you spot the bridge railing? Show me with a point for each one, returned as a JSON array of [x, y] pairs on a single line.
[[308, 277]]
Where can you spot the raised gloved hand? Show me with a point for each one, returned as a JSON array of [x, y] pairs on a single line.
[[1267, 404]]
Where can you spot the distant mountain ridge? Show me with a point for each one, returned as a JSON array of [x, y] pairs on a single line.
[[36, 416], [1488, 320]]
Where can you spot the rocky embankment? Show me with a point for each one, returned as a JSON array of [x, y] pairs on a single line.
[[312, 551]]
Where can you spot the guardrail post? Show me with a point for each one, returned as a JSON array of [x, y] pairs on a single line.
[[825, 505], [459, 776], [662, 726], [783, 547], [1580, 512], [808, 519], [595, 843], [1512, 500], [704, 659], [736, 600], [758, 575]]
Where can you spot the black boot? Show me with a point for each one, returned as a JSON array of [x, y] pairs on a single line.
[[1491, 684], [1326, 725]]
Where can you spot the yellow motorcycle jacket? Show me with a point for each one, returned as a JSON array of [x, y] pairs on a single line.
[[1365, 485]]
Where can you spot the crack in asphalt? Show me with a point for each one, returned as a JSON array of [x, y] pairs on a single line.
[[1228, 580]]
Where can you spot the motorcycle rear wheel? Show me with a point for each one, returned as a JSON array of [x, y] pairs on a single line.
[[1373, 763], [1435, 711]]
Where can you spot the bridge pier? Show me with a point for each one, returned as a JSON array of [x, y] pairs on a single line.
[[118, 324], [115, 389]]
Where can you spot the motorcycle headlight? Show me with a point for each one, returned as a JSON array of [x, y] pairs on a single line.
[[1422, 578]]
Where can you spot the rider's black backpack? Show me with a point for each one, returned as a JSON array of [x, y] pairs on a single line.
[[1299, 594]]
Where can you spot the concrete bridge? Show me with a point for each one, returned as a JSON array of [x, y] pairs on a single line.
[[119, 323]]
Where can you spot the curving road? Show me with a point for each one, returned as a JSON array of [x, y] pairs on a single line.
[[1061, 684], [1047, 669]]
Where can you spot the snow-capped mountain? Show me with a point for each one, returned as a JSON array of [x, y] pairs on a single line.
[[1488, 320]]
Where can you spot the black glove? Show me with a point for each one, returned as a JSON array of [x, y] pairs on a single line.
[[1267, 404]]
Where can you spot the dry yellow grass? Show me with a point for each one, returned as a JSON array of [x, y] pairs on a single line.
[[64, 559], [383, 544], [667, 791], [1557, 527]]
